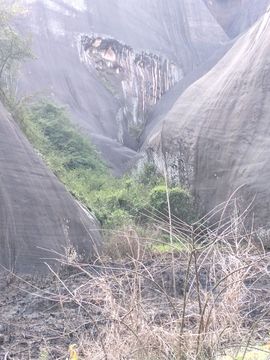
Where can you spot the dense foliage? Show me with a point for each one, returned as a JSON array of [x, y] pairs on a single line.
[[78, 165]]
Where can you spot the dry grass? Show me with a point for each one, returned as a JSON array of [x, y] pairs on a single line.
[[207, 299], [198, 304]]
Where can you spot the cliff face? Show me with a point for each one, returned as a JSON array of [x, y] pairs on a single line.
[[111, 61], [39, 220], [137, 80], [216, 136]]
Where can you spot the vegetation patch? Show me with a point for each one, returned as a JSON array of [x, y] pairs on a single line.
[[76, 162]]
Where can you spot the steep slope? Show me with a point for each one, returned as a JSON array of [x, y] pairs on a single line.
[[216, 136], [96, 56], [38, 217]]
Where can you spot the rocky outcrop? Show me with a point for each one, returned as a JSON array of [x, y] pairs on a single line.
[[39, 219], [137, 79], [216, 137]]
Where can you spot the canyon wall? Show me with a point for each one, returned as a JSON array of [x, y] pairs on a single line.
[[157, 44]]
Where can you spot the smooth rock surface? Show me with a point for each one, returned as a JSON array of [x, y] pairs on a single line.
[[236, 16], [39, 219], [216, 138]]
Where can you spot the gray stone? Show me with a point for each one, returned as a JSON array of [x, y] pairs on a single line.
[[39, 219], [236, 16], [216, 136], [182, 32]]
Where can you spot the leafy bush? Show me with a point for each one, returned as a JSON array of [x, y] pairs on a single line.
[[180, 202]]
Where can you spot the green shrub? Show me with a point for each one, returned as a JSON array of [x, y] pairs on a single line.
[[51, 125], [180, 202]]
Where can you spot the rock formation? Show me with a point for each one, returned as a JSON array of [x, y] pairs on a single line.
[[186, 79], [39, 219], [216, 136], [155, 45], [137, 80]]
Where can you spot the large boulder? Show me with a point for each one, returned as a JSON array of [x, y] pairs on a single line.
[[39, 219], [216, 137]]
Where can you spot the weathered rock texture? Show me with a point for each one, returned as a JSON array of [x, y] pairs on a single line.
[[216, 136], [137, 80], [39, 220]]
